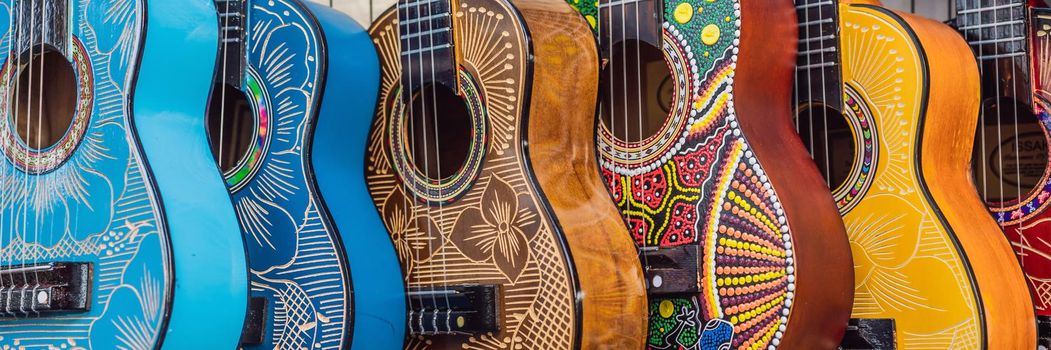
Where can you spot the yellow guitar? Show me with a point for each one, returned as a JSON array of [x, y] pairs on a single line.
[[926, 253]]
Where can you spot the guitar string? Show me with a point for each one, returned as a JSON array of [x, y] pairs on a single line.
[[48, 179], [810, 92], [405, 101], [810, 63], [14, 143], [13, 48], [1014, 92], [824, 110], [978, 19], [1014, 105], [795, 82], [224, 39], [998, 108], [437, 150], [608, 107], [76, 216], [422, 96], [1045, 52], [640, 97], [37, 250], [411, 121], [25, 164], [624, 71]]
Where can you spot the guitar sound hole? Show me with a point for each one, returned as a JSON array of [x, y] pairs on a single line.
[[1010, 151], [46, 99], [231, 126], [828, 137], [438, 131], [636, 93]]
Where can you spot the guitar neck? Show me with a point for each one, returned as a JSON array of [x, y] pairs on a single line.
[[623, 20], [232, 18], [818, 73], [428, 43], [29, 34], [998, 32]]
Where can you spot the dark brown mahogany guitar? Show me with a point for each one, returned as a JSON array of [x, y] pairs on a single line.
[[740, 240], [482, 164]]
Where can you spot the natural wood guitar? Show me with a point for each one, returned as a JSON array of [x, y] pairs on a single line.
[[889, 104], [482, 164]]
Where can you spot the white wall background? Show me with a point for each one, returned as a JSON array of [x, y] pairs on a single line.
[[364, 10]]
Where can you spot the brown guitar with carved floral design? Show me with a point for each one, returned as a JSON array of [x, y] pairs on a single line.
[[482, 164]]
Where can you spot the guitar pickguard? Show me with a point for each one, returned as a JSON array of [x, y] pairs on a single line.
[[90, 198], [296, 261]]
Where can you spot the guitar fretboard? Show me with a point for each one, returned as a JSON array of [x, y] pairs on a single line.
[[623, 20], [425, 25], [427, 42], [27, 31], [231, 44], [996, 29], [817, 71]]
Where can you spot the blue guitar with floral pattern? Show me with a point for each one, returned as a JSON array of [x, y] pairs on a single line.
[[107, 192], [284, 71]]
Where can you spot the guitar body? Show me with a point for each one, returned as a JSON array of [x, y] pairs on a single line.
[[293, 187], [924, 253], [1017, 127], [1025, 220], [338, 157], [527, 212], [726, 173], [129, 187]]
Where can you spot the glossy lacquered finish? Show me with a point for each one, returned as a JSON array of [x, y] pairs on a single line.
[[561, 128], [952, 103], [534, 220], [135, 191], [926, 254], [721, 172], [824, 273], [210, 295], [1010, 155], [338, 158], [296, 257]]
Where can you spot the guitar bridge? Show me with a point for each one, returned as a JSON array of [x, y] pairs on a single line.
[[454, 310], [869, 334], [671, 271], [30, 290]]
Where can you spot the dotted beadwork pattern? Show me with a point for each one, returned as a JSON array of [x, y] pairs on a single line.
[[696, 181]]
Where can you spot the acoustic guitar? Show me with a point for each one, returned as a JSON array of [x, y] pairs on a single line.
[[1011, 156], [888, 104], [115, 229], [740, 240], [293, 92], [481, 163]]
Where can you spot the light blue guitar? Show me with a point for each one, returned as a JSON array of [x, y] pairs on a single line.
[[288, 119], [115, 228]]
